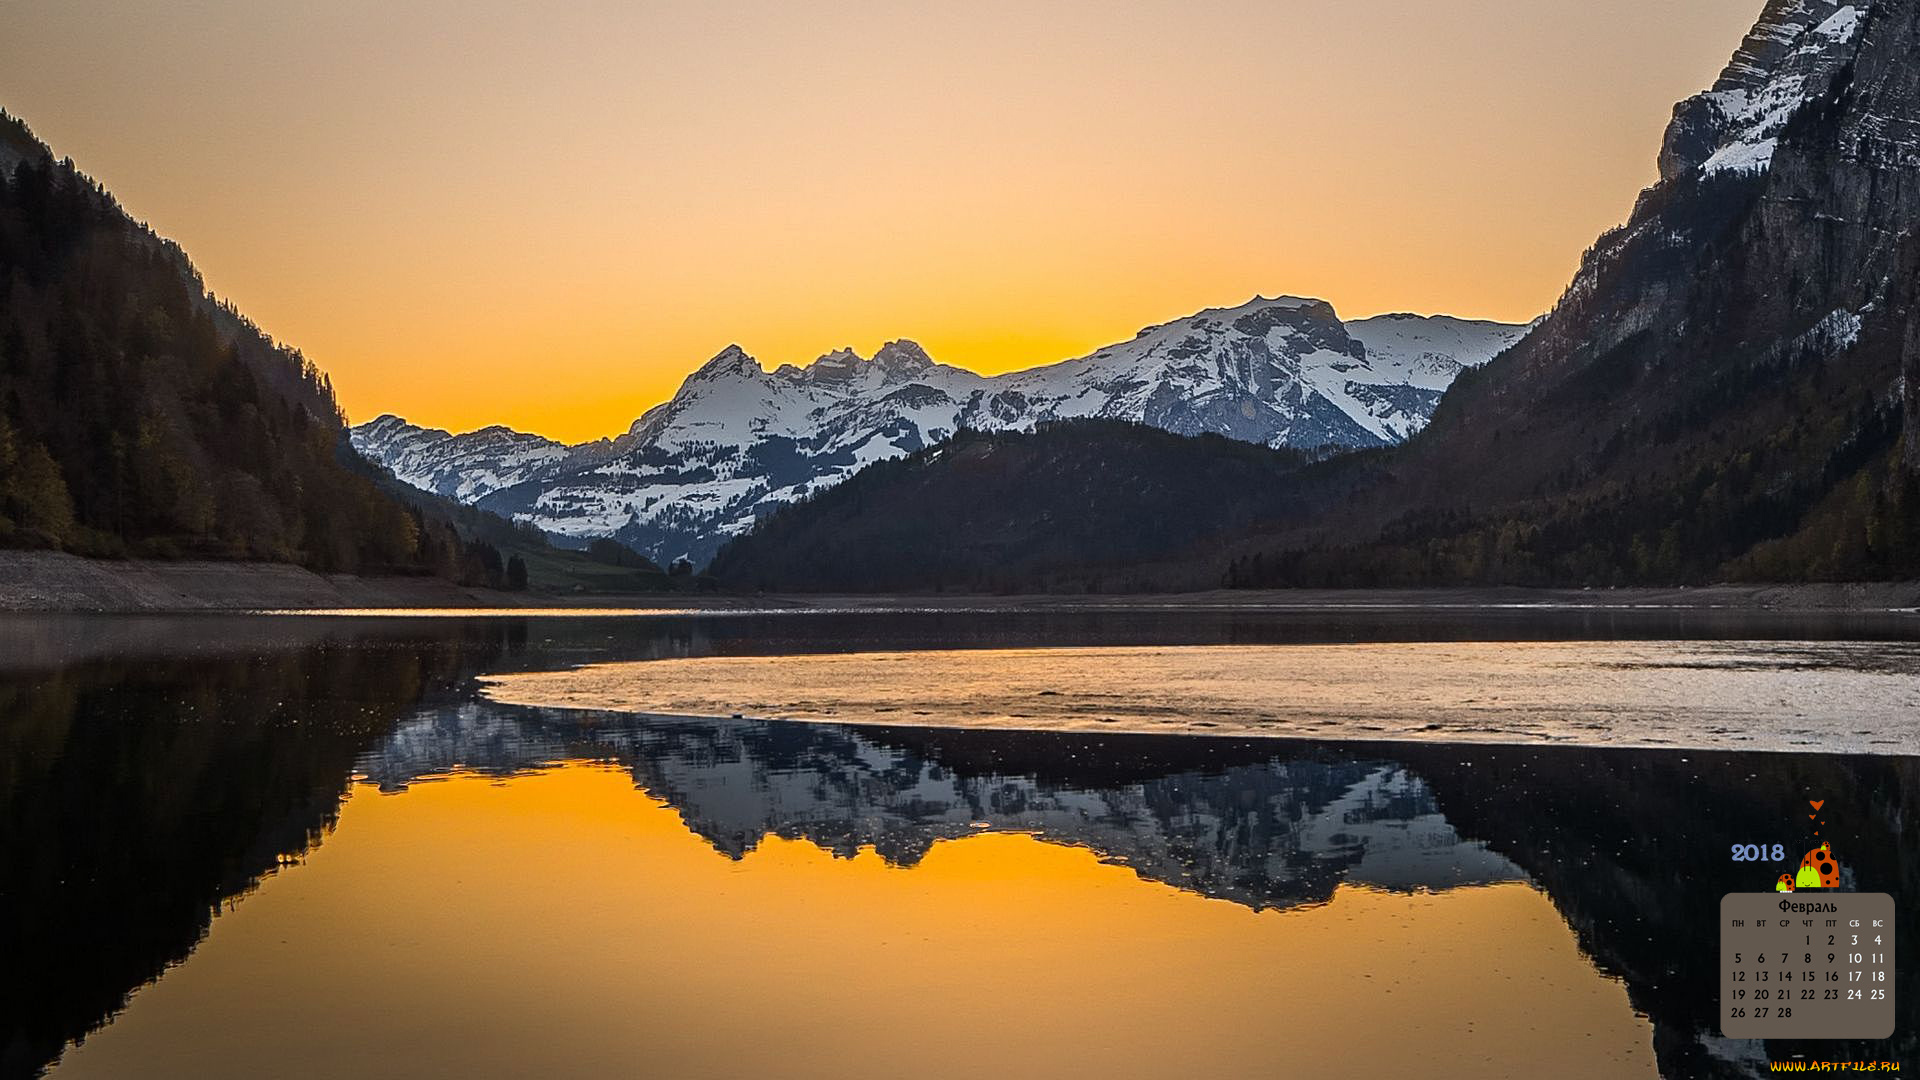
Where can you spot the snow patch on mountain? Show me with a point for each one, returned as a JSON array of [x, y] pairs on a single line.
[[464, 467], [1791, 53], [738, 440]]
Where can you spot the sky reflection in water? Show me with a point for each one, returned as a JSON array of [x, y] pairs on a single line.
[[509, 890]]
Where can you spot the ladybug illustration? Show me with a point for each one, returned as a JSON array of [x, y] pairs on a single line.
[[1785, 884], [1818, 870]]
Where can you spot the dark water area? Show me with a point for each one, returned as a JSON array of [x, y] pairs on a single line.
[[190, 805]]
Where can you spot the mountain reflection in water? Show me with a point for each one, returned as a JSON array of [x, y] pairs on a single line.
[[563, 923], [145, 795], [1263, 833]]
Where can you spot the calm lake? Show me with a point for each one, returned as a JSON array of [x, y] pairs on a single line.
[[1127, 843]]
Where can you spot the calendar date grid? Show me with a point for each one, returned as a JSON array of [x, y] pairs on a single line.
[[1807, 968]]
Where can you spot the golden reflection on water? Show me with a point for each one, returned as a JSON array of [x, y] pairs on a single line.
[[564, 924]]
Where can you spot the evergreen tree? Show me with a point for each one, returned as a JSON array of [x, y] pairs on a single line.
[[39, 502]]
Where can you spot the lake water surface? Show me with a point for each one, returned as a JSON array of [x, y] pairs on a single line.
[[1053, 843]]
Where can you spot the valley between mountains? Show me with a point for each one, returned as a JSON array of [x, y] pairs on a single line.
[[1727, 391]]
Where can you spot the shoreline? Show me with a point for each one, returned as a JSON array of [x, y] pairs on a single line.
[[52, 582]]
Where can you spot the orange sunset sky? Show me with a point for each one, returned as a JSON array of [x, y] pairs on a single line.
[[545, 215]]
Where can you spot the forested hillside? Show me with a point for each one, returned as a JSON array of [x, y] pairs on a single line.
[[1079, 504], [140, 416]]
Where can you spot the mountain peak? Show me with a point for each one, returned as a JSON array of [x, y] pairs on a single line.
[[903, 356], [732, 361], [1255, 306], [838, 366], [1286, 302], [894, 359], [1788, 60]]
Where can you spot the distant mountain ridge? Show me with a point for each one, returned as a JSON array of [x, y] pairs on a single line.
[[1725, 390], [466, 467], [738, 440]]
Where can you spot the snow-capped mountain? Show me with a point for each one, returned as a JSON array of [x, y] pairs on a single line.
[[738, 440], [1788, 57], [464, 467]]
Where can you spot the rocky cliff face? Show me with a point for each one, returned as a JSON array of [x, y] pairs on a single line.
[[1910, 371], [1784, 194], [1912, 382], [1730, 356]]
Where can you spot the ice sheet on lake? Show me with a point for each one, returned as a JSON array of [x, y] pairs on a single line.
[[1841, 697]]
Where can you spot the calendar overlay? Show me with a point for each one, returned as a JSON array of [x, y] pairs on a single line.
[[1806, 965]]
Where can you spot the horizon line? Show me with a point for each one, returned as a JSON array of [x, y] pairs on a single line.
[[736, 346]]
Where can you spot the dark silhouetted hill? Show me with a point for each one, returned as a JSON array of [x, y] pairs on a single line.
[[140, 416], [1075, 504]]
